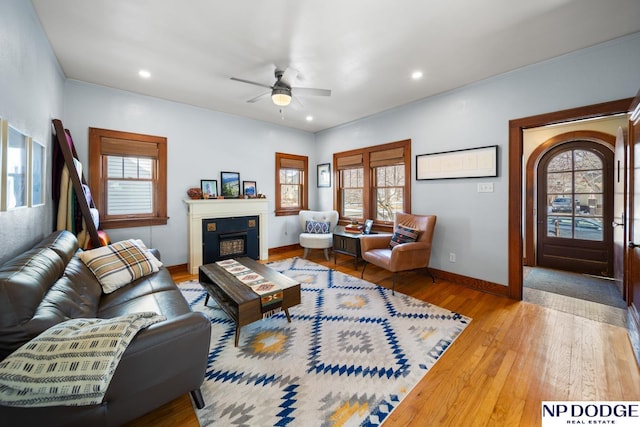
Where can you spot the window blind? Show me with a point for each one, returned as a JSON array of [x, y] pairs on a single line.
[[390, 157], [118, 147], [291, 163], [350, 162]]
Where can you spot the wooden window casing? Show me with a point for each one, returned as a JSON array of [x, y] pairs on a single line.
[[370, 158], [296, 167], [104, 143]]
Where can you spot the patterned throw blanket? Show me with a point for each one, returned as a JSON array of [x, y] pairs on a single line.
[[270, 294], [70, 364]]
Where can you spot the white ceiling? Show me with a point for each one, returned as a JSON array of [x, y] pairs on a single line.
[[363, 50]]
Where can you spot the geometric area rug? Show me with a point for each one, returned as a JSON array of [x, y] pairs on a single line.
[[351, 353]]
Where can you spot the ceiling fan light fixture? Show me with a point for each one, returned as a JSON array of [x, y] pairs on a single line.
[[281, 96]]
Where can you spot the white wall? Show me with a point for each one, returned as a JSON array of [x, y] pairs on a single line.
[[200, 144], [31, 85], [475, 225]]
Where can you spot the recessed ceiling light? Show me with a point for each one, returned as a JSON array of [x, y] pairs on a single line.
[[309, 118], [416, 75], [144, 74]]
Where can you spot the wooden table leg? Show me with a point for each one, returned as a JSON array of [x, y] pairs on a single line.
[[237, 334], [286, 311]]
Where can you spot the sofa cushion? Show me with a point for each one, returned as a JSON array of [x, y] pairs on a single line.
[[119, 264], [156, 292], [24, 281], [402, 235], [76, 294]]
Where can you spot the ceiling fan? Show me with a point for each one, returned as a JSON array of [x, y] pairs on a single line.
[[281, 90]]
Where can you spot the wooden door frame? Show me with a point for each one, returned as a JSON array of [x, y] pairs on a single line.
[[530, 257], [516, 174]]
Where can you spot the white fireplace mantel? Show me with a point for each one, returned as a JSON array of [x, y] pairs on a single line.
[[197, 210]]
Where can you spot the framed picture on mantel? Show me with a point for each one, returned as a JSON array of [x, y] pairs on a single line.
[[230, 184], [209, 188], [249, 188]]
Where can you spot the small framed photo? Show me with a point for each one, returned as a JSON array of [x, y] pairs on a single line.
[[209, 188], [324, 175], [230, 184], [249, 188], [367, 226]]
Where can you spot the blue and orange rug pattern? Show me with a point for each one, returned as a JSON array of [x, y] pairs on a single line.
[[351, 353]]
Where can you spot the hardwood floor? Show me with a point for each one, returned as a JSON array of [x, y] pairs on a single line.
[[512, 356]]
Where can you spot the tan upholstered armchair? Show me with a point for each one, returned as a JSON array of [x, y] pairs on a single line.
[[403, 257]]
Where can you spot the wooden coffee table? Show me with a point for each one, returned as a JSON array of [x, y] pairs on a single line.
[[241, 303]]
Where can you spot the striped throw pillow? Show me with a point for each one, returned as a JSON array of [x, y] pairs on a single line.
[[119, 264], [402, 235]]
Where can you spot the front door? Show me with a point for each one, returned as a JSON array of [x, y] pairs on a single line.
[[633, 292], [575, 199]]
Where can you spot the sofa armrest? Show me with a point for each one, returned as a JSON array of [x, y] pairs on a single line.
[[374, 241], [156, 253], [164, 361]]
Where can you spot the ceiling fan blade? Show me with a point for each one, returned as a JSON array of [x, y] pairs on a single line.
[[258, 98], [311, 91], [250, 82], [296, 104], [289, 76]]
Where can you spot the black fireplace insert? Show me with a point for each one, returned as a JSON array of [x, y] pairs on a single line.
[[224, 238]]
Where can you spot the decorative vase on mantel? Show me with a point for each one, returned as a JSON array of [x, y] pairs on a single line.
[[194, 193]]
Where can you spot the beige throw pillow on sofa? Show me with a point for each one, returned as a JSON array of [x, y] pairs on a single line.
[[120, 263]]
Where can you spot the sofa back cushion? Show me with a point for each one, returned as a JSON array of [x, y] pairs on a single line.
[[24, 282], [76, 294]]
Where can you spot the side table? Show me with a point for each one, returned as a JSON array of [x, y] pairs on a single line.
[[347, 244]]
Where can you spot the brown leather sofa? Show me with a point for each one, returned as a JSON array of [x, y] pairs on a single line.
[[48, 284]]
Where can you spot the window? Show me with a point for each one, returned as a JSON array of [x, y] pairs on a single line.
[[575, 194], [128, 178], [292, 173], [372, 184], [351, 186]]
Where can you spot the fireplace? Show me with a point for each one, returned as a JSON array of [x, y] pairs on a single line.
[[213, 209], [224, 238]]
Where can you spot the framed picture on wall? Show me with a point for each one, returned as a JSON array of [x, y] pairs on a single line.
[[230, 184], [465, 163], [324, 175], [38, 173]]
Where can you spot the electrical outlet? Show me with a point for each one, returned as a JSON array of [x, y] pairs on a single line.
[[452, 257], [485, 187]]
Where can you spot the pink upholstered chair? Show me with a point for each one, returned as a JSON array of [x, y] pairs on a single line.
[[402, 257]]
